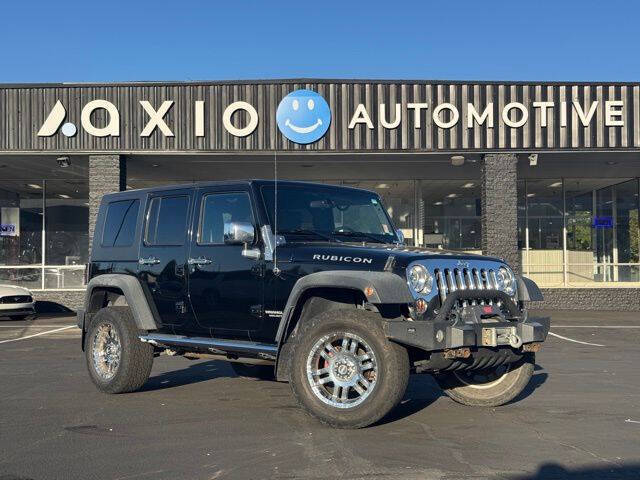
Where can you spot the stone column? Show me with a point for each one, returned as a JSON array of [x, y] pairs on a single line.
[[107, 174], [500, 208]]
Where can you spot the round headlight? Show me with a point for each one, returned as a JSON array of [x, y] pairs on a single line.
[[506, 281], [420, 280]]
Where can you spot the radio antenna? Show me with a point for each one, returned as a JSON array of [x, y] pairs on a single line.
[[276, 270]]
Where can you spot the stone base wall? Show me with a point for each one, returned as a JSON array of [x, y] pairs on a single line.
[[69, 299], [614, 299]]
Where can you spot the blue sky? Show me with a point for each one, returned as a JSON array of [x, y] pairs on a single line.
[[90, 41]]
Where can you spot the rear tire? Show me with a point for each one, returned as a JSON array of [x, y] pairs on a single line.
[[373, 370], [250, 370], [490, 387], [118, 362]]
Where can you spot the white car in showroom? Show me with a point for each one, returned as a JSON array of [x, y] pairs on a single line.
[[16, 302]]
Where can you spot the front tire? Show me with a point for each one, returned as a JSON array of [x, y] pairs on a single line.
[[344, 371], [489, 387], [118, 362]]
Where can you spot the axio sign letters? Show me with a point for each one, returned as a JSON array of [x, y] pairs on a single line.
[[304, 116]]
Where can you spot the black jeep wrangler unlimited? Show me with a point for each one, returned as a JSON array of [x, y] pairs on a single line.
[[313, 281]]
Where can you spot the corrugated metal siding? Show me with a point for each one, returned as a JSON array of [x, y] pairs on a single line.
[[24, 109]]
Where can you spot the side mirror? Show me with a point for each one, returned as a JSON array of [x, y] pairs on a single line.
[[400, 236], [238, 233]]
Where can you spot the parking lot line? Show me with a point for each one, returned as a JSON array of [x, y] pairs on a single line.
[[596, 326], [575, 341], [38, 334]]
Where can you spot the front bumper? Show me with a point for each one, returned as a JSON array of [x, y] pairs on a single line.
[[17, 309], [440, 335]]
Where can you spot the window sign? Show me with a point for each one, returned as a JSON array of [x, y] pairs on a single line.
[[603, 222], [8, 230], [9, 222]]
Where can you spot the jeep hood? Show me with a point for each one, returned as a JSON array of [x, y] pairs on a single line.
[[369, 255]]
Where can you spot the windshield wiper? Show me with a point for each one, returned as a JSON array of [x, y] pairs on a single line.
[[306, 231], [359, 234]]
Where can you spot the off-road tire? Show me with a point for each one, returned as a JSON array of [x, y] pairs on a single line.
[[250, 370], [492, 394], [392, 374], [136, 357]]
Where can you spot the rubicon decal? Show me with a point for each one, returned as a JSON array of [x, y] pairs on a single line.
[[303, 116], [340, 258]]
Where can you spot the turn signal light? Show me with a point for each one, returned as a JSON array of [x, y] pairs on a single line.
[[421, 306]]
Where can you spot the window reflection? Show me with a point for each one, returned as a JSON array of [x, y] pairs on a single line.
[[56, 259], [585, 237], [451, 214]]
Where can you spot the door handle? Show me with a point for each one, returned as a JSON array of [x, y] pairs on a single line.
[[149, 261], [199, 261]]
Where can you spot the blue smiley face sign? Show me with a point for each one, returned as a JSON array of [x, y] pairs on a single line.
[[303, 116]]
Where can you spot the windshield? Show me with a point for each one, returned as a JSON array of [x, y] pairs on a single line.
[[328, 213]]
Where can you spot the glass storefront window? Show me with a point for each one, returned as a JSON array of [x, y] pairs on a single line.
[[44, 249], [21, 222], [451, 215], [66, 222], [398, 198], [579, 232]]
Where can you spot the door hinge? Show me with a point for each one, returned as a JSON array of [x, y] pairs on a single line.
[[181, 307], [258, 269], [257, 310]]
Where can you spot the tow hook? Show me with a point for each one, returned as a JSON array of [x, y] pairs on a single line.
[[515, 341], [531, 347], [457, 353]]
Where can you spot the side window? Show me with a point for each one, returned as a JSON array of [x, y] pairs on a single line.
[[120, 224], [218, 209], [167, 221]]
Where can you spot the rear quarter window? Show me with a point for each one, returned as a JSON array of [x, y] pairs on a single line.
[[167, 221], [120, 223]]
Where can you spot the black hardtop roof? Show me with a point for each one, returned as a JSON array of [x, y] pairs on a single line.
[[257, 182]]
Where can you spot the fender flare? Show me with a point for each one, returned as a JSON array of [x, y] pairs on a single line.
[[388, 288], [132, 290], [528, 290]]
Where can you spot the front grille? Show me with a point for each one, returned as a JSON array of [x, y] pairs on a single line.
[[17, 299], [450, 280]]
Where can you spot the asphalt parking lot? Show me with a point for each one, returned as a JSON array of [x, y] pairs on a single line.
[[579, 418]]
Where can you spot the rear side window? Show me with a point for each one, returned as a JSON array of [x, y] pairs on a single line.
[[167, 220], [120, 225]]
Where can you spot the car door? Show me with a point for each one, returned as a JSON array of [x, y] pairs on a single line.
[[162, 261], [225, 287]]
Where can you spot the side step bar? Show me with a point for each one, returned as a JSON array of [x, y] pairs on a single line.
[[241, 348]]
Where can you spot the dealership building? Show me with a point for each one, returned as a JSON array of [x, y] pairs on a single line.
[[545, 175]]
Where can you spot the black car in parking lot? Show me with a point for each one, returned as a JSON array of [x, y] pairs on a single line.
[[312, 279]]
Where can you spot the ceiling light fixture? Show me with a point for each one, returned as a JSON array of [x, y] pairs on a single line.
[[382, 185], [34, 186], [468, 185], [438, 203], [531, 195], [611, 162], [63, 162], [555, 184], [457, 160], [452, 195], [63, 195]]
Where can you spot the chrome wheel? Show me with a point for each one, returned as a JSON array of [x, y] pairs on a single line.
[[482, 379], [342, 370], [106, 351]]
